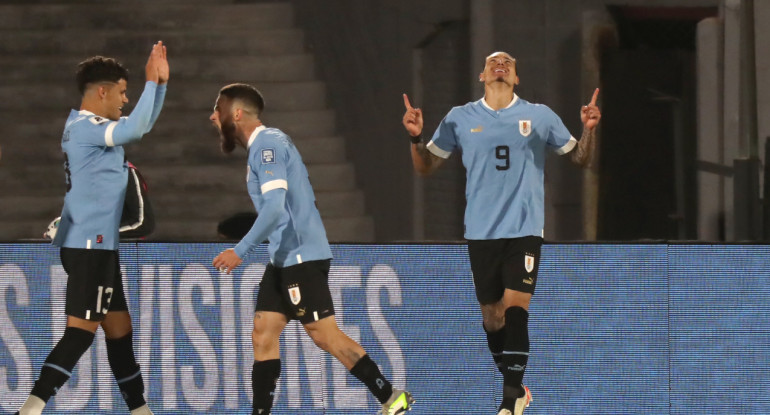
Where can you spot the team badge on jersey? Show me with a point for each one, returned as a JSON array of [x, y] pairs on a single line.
[[529, 262], [294, 295], [268, 156], [96, 120], [525, 127]]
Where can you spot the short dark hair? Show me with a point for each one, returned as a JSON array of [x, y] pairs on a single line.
[[246, 93], [99, 69]]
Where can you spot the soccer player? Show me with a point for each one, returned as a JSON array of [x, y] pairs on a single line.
[[503, 139], [295, 283], [96, 176]]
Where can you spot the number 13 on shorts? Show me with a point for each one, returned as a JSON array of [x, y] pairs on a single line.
[[103, 299]]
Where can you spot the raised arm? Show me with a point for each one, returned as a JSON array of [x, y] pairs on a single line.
[[133, 127], [424, 161], [590, 116], [161, 68]]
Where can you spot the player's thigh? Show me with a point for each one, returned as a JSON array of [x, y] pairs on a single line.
[[305, 290], [91, 278], [269, 298], [520, 263], [486, 265]]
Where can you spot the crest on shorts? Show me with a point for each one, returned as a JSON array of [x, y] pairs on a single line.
[[525, 127], [529, 262], [294, 295]]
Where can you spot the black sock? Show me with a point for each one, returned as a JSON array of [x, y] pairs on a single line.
[[515, 352], [58, 366], [120, 353], [264, 377], [496, 341], [367, 372]]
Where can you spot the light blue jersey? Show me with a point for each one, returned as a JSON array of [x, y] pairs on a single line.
[[503, 153], [278, 184], [96, 172]]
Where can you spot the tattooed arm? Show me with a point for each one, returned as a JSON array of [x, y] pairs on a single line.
[[424, 161], [584, 153], [590, 116]]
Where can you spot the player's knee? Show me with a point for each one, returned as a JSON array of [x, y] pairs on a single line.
[[258, 338], [516, 317], [321, 337], [262, 339], [493, 316]]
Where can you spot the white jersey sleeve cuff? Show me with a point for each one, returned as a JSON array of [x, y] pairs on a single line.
[[108, 134], [567, 147], [435, 150], [274, 184]]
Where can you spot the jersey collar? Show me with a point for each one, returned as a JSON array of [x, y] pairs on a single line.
[[253, 135], [513, 101]]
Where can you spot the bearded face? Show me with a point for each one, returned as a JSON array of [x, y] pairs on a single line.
[[222, 119], [227, 136]]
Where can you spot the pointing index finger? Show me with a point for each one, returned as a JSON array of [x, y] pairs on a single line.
[[596, 95], [406, 103]]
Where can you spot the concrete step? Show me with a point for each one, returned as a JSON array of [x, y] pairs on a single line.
[[14, 230], [182, 95], [343, 204], [45, 127], [152, 150], [350, 229], [179, 42], [313, 150], [31, 180], [151, 16], [133, 2], [231, 177], [217, 205], [295, 67], [184, 230], [31, 207], [21, 152], [279, 96], [356, 229]]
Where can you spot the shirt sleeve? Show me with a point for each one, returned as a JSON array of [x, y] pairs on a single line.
[[444, 140], [266, 221], [133, 127], [269, 164], [160, 97], [557, 136]]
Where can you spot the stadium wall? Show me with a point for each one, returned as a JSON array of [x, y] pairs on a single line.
[[615, 328]]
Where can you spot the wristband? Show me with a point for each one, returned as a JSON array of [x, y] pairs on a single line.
[[415, 140]]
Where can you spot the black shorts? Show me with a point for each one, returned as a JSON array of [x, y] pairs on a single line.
[[300, 292], [94, 283], [498, 264]]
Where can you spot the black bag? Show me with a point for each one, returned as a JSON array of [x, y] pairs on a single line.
[[138, 219]]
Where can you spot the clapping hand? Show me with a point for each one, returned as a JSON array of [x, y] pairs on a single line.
[[157, 69]]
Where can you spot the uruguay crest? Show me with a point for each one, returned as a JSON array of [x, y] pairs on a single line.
[[294, 295], [525, 127], [529, 262]]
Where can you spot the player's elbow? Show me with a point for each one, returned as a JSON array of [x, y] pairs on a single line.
[[582, 160], [422, 170]]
